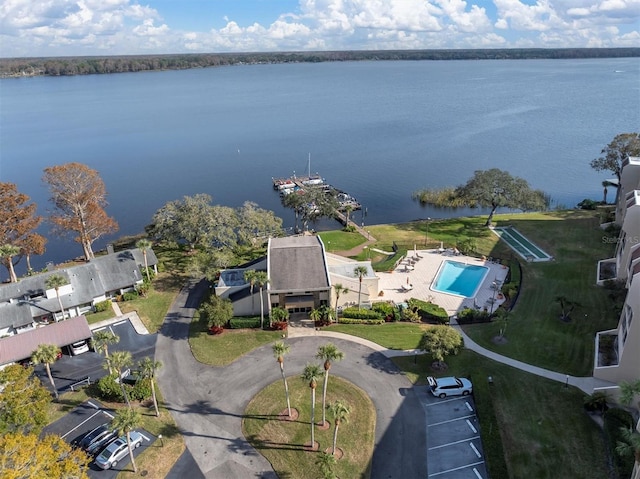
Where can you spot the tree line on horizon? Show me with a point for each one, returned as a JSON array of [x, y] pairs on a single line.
[[89, 65]]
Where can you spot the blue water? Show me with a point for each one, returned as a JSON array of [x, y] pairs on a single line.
[[377, 130], [459, 278]]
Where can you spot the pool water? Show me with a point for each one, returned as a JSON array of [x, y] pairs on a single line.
[[459, 278]]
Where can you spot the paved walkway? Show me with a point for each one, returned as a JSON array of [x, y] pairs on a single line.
[[585, 384]]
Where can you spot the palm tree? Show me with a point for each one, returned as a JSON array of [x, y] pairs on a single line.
[[125, 421], [279, 350], [628, 390], [120, 360], [261, 279], [250, 277], [144, 244], [327, 353], [148, 368], [47, 354], [339, 289], [57, 281], [101, 341], [7, 252], [315, 314], [339, 412], [311, 374], [630, 444], [326, 463], [360, 272]]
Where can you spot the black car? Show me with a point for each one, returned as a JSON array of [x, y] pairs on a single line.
[[95, 440]]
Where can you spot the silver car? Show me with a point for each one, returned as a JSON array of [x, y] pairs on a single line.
[[118, 449], [450, 386]]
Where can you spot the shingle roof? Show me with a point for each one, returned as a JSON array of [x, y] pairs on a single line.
[[297, 263], [21, 346]]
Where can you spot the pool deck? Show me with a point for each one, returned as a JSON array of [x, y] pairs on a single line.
[[424, 273]]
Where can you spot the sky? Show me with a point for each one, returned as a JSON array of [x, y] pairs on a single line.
[[34, 28]]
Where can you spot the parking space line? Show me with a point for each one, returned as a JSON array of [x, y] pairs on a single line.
[[119, 322], [92, 405], [99, 329], [455, 469], [475, 450], [443, 401], [453, 420], [145, 437], [469, 406], [453, 443], [475, 431], [478, 475], [88, 419]]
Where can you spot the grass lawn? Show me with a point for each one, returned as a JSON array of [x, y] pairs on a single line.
[[535, 333], [340, 240], [389, 335], [223, 349], [530, 426], [282, 442]]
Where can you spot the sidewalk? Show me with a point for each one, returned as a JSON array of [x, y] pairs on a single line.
[[133, 317], [585, 384]]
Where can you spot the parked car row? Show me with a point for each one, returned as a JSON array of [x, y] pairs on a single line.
[[104, 444]]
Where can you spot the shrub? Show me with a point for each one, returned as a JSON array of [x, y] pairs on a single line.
[[614, 419], [588, 204], [141, 390], [244, 323], [386, 310], [410, 315], [108, 389], [130, 296], [349, 229], [429, 311], [469, 316], [216, 330], [344, 320], [279, 325], [355, 313], [102, 306]]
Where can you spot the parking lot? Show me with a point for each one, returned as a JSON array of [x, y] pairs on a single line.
[[454, 447], [89, 415], [71, 370]]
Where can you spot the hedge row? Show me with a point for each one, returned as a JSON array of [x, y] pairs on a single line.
[[614, 419], [344, 320], [244, 323], [355, 313], [429, 311]]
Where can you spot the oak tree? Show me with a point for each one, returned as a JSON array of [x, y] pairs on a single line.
[[79, 196], [26, 456], [23, 400], [441, 341], [615, 153], [18, 221]]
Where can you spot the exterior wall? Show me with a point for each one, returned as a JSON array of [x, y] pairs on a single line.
[[629, 181], [629, 236], [628, 340]]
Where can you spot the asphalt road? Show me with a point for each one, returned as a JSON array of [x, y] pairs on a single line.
[[208, 402], [69, 370]]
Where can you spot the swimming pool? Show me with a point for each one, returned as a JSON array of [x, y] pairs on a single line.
[[458, 278]]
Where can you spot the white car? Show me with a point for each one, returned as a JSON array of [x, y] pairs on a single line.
[[118, 449], [449, 386], [79, 347]]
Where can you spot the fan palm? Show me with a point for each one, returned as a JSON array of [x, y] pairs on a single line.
[[360, 272], [328, 353], [340, 413], [279, 350], [148, 368], [125, 421], [101, 341], [47, 354], [339, 289], [144, 245], [7, 252], [57, 281], [120, 360], [310, 375], [262, 279]]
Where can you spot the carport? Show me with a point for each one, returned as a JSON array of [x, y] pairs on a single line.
[[21, 346]]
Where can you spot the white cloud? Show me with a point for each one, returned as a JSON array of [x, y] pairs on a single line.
[[73, 27]]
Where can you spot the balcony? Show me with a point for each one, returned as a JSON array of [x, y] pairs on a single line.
[[607, 270], [607, 349]]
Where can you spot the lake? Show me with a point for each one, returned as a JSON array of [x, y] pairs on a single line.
[[377, 130]]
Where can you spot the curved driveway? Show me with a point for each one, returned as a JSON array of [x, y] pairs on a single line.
[[208, 402]]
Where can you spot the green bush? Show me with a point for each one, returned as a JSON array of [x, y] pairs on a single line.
[[244, 323], [429, 311], [614, 419], [355, 313], [102, 306], [469, 316], [108, 389], [141, 390], [130, 296], [344, 320], [386, 310]]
